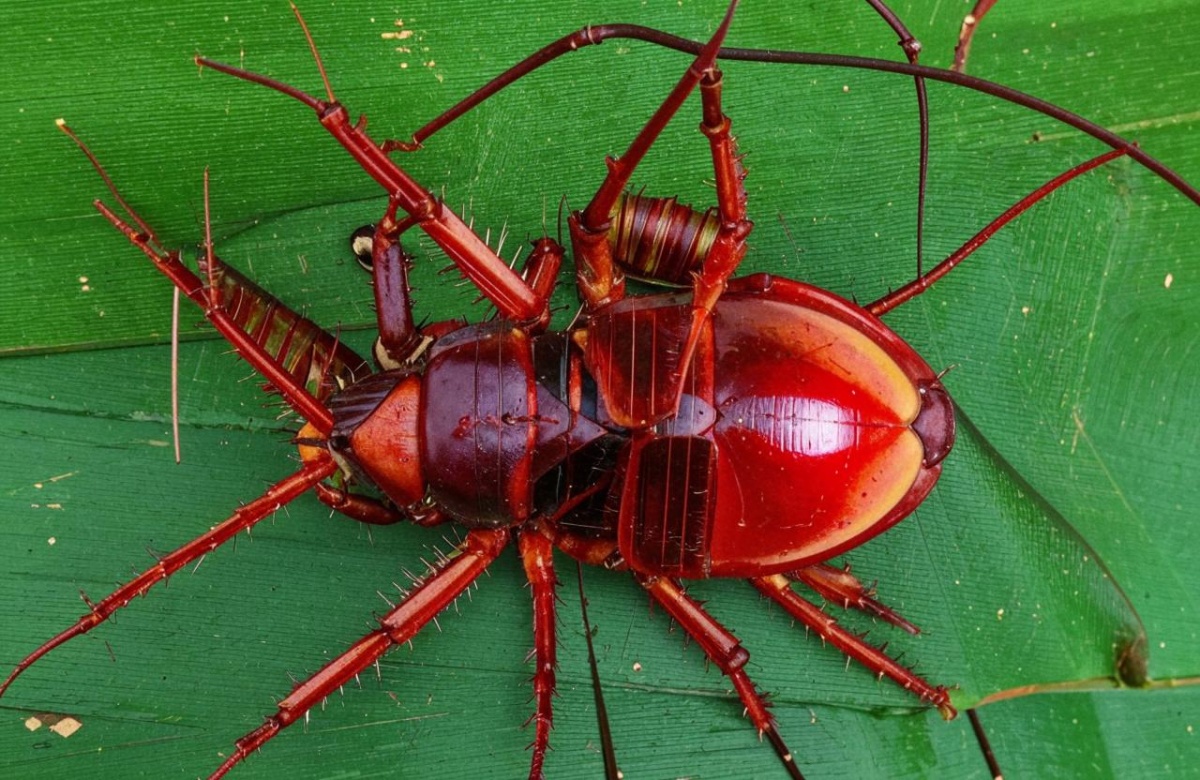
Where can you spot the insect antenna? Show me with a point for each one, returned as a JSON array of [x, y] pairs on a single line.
[[595, 35], [175, 372], [316, 55], [145, 228], [923, 283], [912, 50]]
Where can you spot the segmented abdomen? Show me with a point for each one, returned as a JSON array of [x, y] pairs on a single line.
[[313, 357], [660, 240]]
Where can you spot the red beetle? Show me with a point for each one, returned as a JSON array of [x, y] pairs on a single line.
[[751, 427]]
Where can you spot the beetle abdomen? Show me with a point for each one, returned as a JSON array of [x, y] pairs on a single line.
[[661, 240], [810, 392]]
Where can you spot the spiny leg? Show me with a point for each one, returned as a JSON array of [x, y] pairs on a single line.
[[840, 587], [725, 650], [504, 287], [210, 298], [779, 589], [598, 280], [537, 553], [923, 283], [245, 517], [449, 577]]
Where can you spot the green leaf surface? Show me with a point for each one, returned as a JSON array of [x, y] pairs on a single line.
[[1072, 338]]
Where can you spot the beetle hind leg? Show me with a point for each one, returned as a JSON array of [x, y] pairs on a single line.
[[726, 651], [839, 586], [778, 588]]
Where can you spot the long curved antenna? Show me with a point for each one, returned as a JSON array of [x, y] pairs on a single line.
[[912, 50], [590, 36], [312, 46], [923, 283]]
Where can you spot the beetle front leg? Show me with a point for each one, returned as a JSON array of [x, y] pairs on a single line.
[[726, 651], [398, 335], [729, 245], [512, 297], [600, 282]]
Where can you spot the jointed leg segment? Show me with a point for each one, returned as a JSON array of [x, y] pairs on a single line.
[[725, 650], [433, 593]]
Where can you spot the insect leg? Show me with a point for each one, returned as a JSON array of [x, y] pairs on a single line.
[[729, 245], [504, 287], [779, 589], [364, 509], [287, 349], [398, 334], [924, 282], [537, 553], [725, 650], [598, 280], [839, 586], [244, 517], [449, 577]]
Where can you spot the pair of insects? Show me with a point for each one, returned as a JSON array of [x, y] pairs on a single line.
[[629, 406]]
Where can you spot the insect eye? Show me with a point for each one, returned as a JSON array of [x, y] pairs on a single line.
[[361, 242]]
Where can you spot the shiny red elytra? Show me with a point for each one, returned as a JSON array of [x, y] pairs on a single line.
[[742, 427]]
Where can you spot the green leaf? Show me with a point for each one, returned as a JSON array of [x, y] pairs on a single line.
[[1071, 337]]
